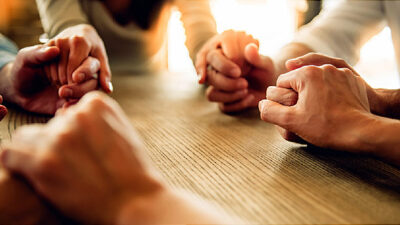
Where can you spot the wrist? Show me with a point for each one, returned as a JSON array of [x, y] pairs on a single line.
[[380, 138], [377, 101], [142, 209], [170, 207], [389, 101]]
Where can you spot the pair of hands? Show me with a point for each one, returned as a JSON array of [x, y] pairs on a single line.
[[44, 78], [322, 100], [90, 179], [236, 73]]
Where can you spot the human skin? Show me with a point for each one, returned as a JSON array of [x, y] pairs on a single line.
[[76, 44], [382, 102], [240, 75], [106, 172], [3, 109], [25, 82], [331, 110]]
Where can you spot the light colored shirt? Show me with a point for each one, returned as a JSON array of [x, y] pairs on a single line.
[[8, 51], [130, 48], [342, 31]]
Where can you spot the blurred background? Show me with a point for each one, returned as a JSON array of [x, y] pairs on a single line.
[[273, 22]]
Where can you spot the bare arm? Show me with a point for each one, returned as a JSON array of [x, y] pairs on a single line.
[[157, 209], [381, 138], [389, 102], [199, 24]]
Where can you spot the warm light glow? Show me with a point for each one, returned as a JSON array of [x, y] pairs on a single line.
[[273, 23]]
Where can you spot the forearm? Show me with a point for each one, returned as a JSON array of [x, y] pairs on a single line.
[[198, 22], [167, 207], [387, 103], [380, 137], [57, 15]]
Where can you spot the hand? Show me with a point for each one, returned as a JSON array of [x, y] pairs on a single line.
[[225, 53], [28, 85], [76, 44], [331, 107], [376, 103], [3, 109], [290, 98], [235, 94], [88, 178]]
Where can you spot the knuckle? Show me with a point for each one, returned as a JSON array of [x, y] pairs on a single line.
[[80, 117], [347, 71], [312, 72], [270, 91], [96, 101], [47, 162], [312, 55], [328, 68], [79, 41]]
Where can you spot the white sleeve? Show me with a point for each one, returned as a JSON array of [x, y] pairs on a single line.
[[56, 15], [342, 31], [199, 23]]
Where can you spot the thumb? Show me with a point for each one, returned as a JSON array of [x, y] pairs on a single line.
[[39, 54], [256, 59]]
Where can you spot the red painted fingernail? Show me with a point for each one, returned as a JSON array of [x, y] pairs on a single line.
[[3, 111]]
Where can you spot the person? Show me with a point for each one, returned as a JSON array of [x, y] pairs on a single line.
[[359, 21], [306, 116], [25, 78], [134, 33], [105, 178]]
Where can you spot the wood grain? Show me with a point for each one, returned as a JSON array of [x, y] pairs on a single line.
[[241, 164]]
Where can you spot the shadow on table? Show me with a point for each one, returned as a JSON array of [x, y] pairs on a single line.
[[344, 165]]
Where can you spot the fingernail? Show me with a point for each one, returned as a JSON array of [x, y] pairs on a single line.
[[261, 105], [236, 72], [45, 49], [3, 111], [80, 77], [243, 84], [295, 61], [244, 91], [110, 86], [68, 92]]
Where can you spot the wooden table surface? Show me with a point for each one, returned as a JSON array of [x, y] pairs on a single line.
[[241, 164]]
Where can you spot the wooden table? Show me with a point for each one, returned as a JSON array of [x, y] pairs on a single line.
[[241, 164]]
